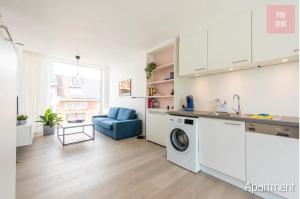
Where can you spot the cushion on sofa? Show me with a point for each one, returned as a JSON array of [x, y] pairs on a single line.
[[113, 113], [126, 114], [107, 124], [98, 119]]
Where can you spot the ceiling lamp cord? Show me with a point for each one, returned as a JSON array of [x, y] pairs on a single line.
[[77, 81]]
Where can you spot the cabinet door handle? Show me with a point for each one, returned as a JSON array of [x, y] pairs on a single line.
[[234, 124], [239, 61], [202, 68], [296, 50]]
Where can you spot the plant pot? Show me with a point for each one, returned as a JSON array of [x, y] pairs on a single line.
[[151, 79], [47, 130], [21, 122]]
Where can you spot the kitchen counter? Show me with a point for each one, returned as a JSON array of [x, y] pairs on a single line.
[[278, 120]]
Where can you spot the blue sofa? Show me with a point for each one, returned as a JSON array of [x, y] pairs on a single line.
[[119, 123]]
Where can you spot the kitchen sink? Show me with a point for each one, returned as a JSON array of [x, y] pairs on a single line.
[[224, 114]]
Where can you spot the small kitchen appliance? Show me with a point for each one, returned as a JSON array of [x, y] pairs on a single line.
[[189, 103]]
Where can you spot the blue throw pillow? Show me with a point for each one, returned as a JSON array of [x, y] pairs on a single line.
[[113, 113], [126, 114]]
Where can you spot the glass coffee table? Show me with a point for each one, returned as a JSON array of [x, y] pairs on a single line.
[[71, 133]]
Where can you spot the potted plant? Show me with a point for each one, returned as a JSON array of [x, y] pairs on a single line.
[[21, 119], [149, 69], [49, 121]]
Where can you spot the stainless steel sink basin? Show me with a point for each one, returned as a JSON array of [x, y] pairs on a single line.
[[224, 114]]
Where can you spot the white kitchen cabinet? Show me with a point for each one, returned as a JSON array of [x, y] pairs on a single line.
[[272, 159], [157, 126], [229, 43], [222, 146], [193, 52], [268, 47]]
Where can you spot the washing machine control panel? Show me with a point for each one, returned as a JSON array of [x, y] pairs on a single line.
[[182, 121], [188, 121]]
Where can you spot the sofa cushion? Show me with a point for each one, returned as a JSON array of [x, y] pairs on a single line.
[[126, 114], [97, 120], [113, 113], [107, 124]]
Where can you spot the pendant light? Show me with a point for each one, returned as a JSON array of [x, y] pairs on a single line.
[[77, 81]]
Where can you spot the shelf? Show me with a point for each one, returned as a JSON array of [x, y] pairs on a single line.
[[161, 82], [161, 96], [164, 67]]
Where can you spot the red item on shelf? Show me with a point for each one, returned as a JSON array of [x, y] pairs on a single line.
[[149, 103]]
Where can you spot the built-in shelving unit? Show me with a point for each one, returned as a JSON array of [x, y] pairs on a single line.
[[164, 67], [161, 82], [160, 87]]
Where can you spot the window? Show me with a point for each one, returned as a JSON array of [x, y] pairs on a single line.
[[76, 103]]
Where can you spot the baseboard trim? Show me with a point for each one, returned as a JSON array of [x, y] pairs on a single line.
[[236, 182]]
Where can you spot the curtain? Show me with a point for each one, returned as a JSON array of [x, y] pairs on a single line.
[[33, 86]]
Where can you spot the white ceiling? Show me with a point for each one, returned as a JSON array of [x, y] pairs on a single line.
[[109, 32]]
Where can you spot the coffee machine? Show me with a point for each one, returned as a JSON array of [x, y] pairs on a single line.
[[189, 103]]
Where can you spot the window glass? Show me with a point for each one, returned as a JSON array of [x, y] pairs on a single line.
[[75, 91]]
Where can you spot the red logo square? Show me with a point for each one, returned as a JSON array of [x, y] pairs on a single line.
[[281, 19]]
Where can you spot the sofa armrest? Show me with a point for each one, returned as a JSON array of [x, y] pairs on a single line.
[[127, 128], [95, 116]]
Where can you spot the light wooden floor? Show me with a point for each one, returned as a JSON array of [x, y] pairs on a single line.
[[111, 169]]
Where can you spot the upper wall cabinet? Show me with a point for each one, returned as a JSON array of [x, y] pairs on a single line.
[[193, 52], [229, 43], [269, 48]]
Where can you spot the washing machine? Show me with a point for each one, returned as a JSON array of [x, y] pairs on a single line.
[[183, 143]]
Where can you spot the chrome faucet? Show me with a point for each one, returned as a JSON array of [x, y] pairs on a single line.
[[238, 111]]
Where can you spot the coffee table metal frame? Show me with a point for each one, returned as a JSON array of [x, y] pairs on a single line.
[[82, 125]]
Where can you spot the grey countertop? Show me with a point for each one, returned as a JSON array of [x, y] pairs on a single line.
[[278, 120]]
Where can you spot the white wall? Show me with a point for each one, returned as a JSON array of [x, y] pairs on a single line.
[[271, 89], [8, 70], [135, 72]]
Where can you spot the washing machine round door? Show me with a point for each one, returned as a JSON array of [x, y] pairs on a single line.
[[179, 140]]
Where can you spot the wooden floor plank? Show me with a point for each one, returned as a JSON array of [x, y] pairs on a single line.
[[106, 168]]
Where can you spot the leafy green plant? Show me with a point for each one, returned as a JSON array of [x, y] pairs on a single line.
[[149, 69], [21, 117], [50, 119]]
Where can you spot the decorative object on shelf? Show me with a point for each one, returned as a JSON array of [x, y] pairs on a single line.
[[125, 87], [77, 81], [171, 76], [21, 119], [49, 121], [149, 69], [152, 91], [172, 92], [153, 103]]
